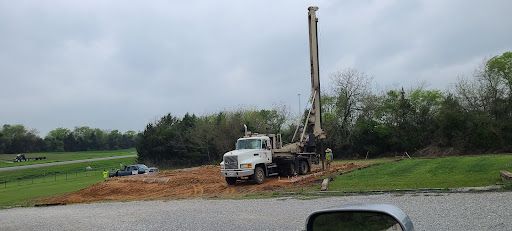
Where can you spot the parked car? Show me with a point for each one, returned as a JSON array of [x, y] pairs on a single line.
[[142, 168]]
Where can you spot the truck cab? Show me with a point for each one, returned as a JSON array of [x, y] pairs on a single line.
[[248, 160]]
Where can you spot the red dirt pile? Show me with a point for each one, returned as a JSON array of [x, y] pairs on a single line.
[[204, 182]]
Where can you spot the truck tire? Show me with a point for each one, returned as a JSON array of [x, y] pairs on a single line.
[[288, 169], [303, 167], [292, 171], [231, 180], [259, 175]]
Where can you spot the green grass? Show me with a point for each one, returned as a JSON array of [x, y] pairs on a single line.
[[66, 168], [6, 159], [449, 172], [26, 193], [367, 162], [26, 186]]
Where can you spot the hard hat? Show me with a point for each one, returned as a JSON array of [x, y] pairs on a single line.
[[328, 150]]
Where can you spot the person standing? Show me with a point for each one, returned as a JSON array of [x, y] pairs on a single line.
[[328, 157], [105, 174]]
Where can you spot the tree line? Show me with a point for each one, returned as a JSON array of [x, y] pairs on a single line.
[[194, 140], [17, 138], [475, 116]]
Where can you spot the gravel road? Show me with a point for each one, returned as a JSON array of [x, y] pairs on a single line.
[[62, 163], [447, 211]]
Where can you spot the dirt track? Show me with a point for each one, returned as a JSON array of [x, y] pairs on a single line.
[[204, 181]]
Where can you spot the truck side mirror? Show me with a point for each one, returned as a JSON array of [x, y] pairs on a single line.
[[367, 217]]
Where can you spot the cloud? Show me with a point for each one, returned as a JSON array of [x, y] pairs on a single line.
[[119, 66]]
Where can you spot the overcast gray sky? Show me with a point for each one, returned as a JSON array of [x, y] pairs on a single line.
[[122, 64]]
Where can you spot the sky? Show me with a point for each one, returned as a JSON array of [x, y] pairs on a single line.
[[123, 64]]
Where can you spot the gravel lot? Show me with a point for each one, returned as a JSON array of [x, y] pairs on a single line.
[[447, 211]]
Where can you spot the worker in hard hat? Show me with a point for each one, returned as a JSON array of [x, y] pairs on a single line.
[[328, 157]]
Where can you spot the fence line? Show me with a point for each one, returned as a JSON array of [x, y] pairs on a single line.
[[50, 177]]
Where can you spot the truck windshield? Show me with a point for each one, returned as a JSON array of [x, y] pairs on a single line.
[[248, 144]]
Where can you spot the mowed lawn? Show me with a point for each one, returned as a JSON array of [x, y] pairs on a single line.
[[27, 193], [6, 159], [448, 172], [25, 187]]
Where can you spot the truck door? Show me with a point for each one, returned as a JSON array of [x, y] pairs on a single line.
[[134, 171], [266, 153]]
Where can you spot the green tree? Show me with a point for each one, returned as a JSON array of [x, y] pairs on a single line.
[[17, 139], [55, 139], [501, 66]]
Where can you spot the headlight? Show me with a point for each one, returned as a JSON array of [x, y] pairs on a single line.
[[246, 166], [221, 166]]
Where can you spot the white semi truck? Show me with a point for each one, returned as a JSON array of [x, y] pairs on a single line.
[[258, 156]]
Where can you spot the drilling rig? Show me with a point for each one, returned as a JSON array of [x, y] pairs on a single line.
[[258, 156]]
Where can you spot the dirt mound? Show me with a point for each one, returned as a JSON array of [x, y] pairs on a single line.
[[204, 181]]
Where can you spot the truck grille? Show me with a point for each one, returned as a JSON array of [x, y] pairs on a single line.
[[230, 162]]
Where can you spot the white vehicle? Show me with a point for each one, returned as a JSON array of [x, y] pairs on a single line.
[[258, 156], [250, 158]]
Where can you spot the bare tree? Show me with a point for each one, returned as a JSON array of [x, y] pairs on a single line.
[[350, 87], [483, 93]]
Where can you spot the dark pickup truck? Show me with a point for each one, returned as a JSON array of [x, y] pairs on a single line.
[[131, 170]]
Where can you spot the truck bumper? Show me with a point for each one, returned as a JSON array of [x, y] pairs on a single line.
[[236, 172]]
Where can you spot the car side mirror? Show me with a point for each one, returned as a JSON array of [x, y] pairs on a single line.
[[365, 217]]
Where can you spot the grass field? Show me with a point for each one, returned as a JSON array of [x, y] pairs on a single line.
[[66, 168], [6, 159], [368, 161], [24, 187], [448, 172]]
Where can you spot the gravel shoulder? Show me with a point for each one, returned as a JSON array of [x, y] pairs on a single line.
[[429, 211]]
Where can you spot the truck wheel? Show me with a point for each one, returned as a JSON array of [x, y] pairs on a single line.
[[291, 171], [231, 180], [259, 175], [303, 167]]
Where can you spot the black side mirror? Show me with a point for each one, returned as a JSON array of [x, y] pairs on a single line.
[[364, 217]]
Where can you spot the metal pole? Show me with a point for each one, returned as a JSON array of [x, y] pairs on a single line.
[[316, 120]]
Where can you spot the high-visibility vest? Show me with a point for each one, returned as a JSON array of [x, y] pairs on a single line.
[[329, 156]]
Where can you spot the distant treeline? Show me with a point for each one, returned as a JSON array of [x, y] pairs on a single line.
[[18, 139], [472, 117], [194, 140]]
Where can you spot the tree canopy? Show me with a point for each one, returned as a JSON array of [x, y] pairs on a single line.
[[18, 139]]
